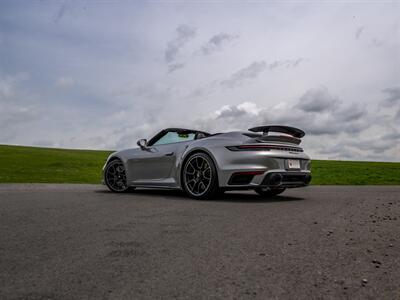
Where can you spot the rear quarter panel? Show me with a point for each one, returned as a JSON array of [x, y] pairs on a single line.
[[228, 162]]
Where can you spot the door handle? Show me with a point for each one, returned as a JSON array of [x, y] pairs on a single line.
[[169, 154]]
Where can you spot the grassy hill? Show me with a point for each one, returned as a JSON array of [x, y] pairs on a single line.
[[46, 165]]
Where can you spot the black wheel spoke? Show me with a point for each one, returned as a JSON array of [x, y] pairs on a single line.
[[193, 167], [196, 186], [207, 174], [202, 164], [190, 173]]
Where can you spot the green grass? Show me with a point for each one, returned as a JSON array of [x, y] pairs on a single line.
[[355, 172], [46, 165]]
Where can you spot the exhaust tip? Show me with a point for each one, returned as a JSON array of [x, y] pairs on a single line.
[[275, 179]]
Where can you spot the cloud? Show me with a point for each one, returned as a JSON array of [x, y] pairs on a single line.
[[317, 100], [14, 114], [61, 12], [288, 63], [392, 95], [393, 136], [184, 33], [252, 71], [351, 113], [317, 119], [174, 67], [154, 92], [6, 87], [216, 42], [16, 108], [8, 84], [374, 147], [359, 32], [377, 42], [233, 111], [118, 79], [333, 127]]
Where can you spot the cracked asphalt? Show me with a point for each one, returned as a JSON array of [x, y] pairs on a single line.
[[83, 242]]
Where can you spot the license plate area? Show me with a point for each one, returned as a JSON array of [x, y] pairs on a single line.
[[293, 164]]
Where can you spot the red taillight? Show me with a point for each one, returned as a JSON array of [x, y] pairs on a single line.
[[264, 148]]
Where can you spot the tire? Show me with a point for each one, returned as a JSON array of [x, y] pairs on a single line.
[[199, 177], [269, 191], [115, 177]]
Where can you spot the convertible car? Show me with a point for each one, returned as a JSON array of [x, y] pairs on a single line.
[[266, 159]]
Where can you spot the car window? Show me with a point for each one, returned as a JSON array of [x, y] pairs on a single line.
[[174, 137]]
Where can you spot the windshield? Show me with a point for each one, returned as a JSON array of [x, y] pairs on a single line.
[[174, 137]]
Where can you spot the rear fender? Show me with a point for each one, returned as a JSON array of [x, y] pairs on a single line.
[[185, 155]]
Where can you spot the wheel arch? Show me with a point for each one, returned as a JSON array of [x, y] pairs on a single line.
[[115, 157], [190, 153], [111, 158]]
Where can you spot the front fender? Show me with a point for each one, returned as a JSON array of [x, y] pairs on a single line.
[[121, 155]]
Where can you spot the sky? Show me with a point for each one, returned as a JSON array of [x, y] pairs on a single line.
[[101, 75]]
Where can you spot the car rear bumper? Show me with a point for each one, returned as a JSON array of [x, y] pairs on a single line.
[[286, 179], [275, 178]]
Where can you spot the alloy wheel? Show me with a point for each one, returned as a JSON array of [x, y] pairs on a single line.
[[115, 176], [197, 175]]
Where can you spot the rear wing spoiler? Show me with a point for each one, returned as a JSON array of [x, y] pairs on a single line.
[[295, 132]]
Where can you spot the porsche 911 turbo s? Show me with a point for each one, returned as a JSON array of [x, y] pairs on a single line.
[[266, 159]]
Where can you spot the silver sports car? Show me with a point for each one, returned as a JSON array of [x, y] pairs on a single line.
[[266, 159]]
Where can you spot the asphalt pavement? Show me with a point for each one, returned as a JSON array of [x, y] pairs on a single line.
[[83, 242]]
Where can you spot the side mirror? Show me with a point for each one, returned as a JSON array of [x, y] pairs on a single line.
[[142, 143]]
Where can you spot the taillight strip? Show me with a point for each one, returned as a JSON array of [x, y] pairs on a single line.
[[263, 148]]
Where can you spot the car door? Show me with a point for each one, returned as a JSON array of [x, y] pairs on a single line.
[[152, 164], [155, 164]]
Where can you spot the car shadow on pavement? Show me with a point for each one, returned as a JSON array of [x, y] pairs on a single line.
[[231, 196]]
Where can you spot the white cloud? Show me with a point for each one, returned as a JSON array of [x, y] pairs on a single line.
[[8, 84], [344, 131]]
